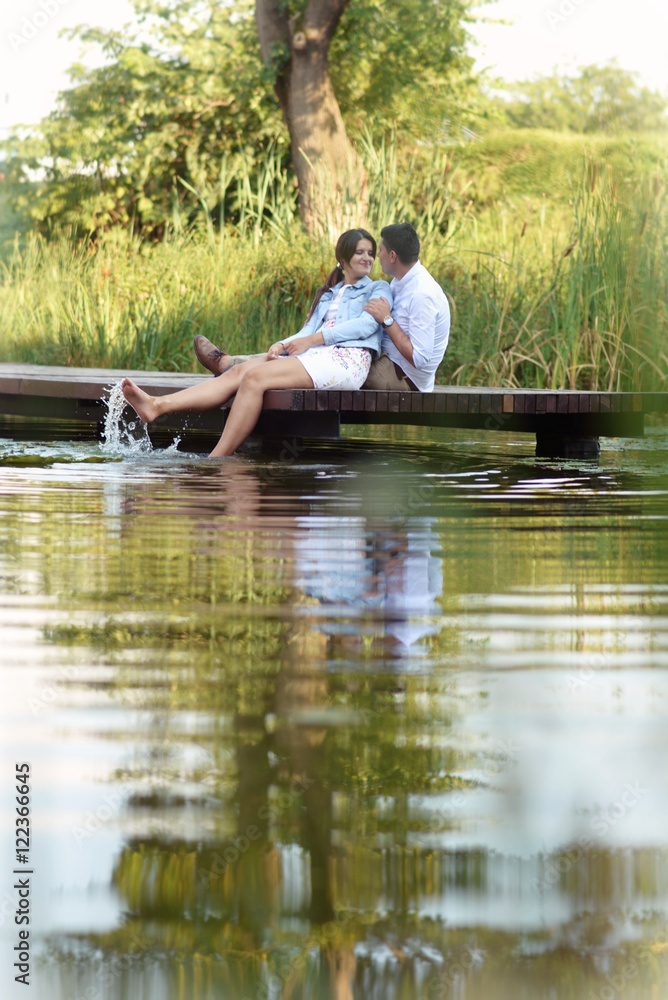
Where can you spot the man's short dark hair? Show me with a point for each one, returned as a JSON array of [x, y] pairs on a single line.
[[402, 238]]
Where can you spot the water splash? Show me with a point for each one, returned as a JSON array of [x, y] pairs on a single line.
[[121, 436]]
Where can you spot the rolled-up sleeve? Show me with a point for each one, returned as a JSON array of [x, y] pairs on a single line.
[[360, 328], [422, 315], [363, 326]]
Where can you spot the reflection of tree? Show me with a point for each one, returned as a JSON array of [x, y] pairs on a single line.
[[271, 682]]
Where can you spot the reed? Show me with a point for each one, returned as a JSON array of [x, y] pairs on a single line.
[[565, 303]]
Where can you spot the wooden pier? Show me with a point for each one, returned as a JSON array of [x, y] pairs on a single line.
[[567, 423]]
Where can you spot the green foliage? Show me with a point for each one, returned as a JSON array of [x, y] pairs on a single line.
[[568, 295], [405, 66], [183, 106], [605, 99], [129, 133]]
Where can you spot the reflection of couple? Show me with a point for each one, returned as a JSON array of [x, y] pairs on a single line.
[[392, 572], [358, 333]]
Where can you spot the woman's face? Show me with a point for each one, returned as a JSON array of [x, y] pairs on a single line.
[[360, 263]]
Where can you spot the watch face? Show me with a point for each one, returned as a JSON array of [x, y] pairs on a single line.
[[388, 321]]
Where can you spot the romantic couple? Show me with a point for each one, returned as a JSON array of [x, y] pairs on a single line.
[[359, 333]]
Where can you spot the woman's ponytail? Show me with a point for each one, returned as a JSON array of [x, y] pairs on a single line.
[[332, 279]]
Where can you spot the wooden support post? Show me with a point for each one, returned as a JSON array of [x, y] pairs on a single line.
[[566, 446]]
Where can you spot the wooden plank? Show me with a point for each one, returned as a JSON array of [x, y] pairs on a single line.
[[284, 399]]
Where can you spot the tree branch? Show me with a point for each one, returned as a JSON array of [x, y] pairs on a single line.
[[323, 16], [272, 27]]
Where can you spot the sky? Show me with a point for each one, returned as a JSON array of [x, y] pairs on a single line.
[[542, 35]]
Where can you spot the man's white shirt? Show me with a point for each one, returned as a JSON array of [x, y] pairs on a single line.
[[420, 307]]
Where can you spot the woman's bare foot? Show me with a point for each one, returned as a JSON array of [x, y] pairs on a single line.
[[146, 406]]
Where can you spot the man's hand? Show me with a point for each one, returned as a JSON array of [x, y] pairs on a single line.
[[379, 309]]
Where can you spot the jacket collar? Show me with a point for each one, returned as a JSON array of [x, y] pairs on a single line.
[[366, 280]]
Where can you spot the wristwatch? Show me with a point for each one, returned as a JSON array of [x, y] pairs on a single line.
[[388, 321]]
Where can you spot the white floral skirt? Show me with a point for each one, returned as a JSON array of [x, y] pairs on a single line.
[[336, 367]]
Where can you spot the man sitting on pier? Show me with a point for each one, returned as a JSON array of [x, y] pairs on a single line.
[[416, 330]]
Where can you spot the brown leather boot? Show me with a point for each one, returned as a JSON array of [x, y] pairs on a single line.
[[209, 355]]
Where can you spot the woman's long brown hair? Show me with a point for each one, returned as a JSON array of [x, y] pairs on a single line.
[[344, 250]]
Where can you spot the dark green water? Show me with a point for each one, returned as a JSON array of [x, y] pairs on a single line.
[[382, 720]]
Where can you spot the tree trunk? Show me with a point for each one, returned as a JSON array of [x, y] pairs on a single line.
[[330, 175]]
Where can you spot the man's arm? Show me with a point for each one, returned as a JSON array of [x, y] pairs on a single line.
[[379, 309], [416, 344]]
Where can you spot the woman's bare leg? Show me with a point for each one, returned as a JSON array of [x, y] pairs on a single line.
[[284, 373], [205, 396]]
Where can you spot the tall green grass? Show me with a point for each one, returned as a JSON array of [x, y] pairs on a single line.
[[563, 291], [565, 298]]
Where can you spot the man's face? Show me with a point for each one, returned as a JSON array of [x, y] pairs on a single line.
[[386, 259]]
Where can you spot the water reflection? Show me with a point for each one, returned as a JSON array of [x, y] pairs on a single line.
[[379, 722]]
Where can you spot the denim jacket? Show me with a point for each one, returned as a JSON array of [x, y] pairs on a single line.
[[354, 327]]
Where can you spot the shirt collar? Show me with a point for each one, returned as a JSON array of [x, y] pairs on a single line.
[[409, 275]]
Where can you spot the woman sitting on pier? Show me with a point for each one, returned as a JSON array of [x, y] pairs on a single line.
[[333, 350]]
